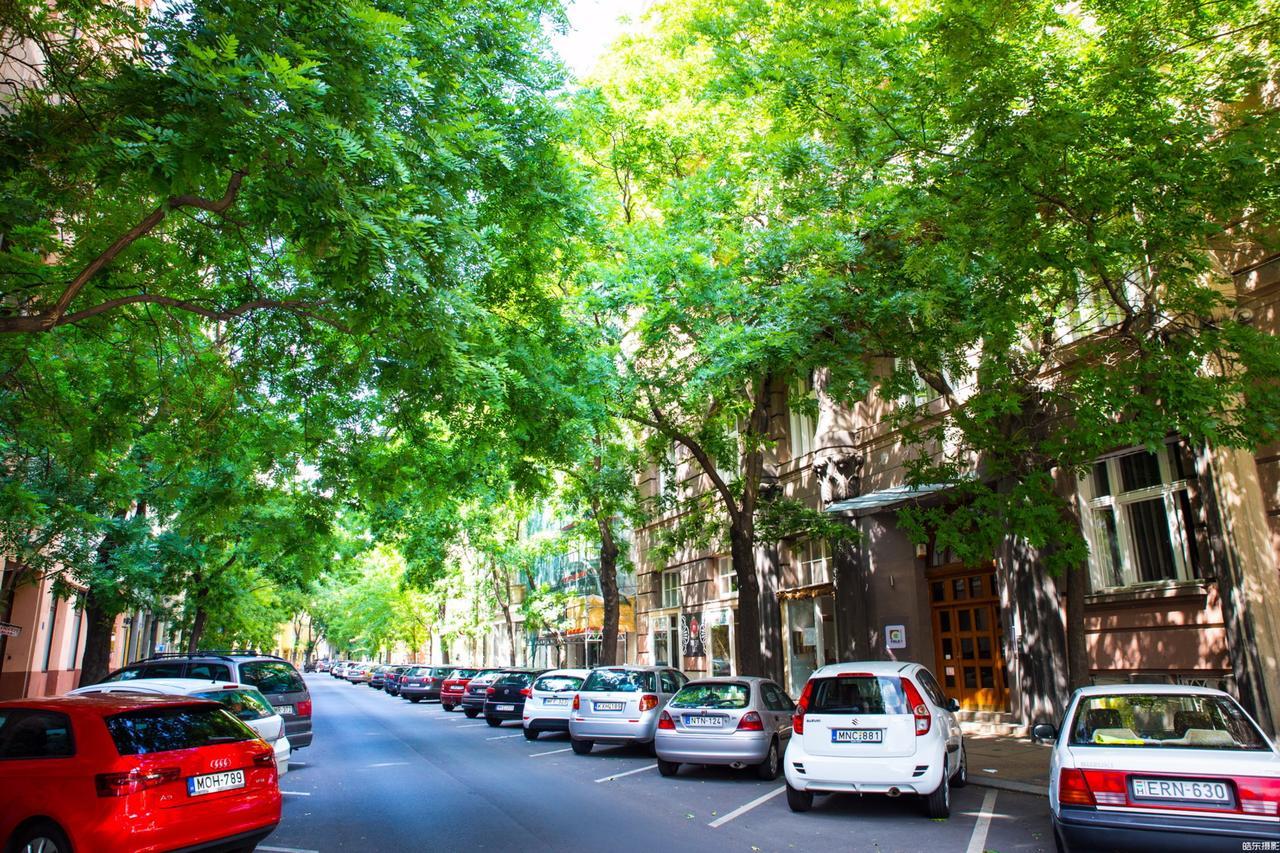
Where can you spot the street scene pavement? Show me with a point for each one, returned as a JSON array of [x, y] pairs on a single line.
[[383, 774]]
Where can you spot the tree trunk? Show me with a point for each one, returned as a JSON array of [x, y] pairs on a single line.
[[505, 604], [608, 589], [100, 613], [197, 629], [742, 549]]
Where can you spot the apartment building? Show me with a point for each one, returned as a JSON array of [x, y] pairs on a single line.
[[1183, 580]]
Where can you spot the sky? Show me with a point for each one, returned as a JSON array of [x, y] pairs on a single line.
[[593, 25]]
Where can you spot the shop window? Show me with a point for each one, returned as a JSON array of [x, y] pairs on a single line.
[[671, 588], [726, 577], [1139, 519]]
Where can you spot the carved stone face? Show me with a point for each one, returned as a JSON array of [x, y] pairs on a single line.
[[837, 474]]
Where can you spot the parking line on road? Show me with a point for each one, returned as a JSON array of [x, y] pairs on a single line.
[[391, 764], [285, 849], [469, 725], [628, 773], [978, 841], [550, 752], [295, 794], [503, 737], [741, 810]]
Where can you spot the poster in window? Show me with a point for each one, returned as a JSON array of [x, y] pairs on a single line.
[[693, 634]]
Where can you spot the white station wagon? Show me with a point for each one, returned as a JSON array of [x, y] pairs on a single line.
[[1161, 766]]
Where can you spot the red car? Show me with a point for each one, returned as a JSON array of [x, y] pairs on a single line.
[[132, 773], [454, 686]]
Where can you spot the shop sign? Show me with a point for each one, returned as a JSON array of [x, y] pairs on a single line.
[[895, 636], [693, 635], [8, 629]]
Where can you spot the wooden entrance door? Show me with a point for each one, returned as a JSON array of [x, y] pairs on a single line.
[[969, 636]]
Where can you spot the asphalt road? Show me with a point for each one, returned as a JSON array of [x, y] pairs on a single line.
[[384, 774]]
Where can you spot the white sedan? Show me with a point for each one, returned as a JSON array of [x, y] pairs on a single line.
[[1167, 766], [242, 700]]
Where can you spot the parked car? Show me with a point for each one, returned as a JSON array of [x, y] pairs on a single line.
[[338, 669], [505, 698], [378, 677], [425, 682], [550, 701], [620, 704], [875, 728], [129, 773], [245, 702], [477, 691], [1160, 766], [391, 679], [454, 686], [322, 665], [738, 721], [278, 680], [360, 673]]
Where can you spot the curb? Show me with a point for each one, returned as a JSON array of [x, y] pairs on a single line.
[[1006, 785]]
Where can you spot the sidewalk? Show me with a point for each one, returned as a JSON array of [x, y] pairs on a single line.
[[1008, 763]]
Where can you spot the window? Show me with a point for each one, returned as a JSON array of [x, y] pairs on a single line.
[[812, 558], [619, 681], [861, 694], [666, 641], [670, 681], [558, 683], [211, 671], [1139, 518], [245, 703], [1167, 720], [168, 729], [50, 625], [73, 650], [715, 695], [26, 733], [272, 677], [726, 577], [671, 588], [667, 479], [801, 427], [911, 388], [722, 643]]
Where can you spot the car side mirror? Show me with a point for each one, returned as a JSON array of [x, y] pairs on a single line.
[[1042, 732], [953, 705]]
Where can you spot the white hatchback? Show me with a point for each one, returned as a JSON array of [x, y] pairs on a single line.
[[875, 727], [244, 701], [1161, 766], [550, 701]]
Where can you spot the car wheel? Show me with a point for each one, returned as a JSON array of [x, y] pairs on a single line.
[[471, 713], [530, 734], [415, 699], [580, 747], [42, 837], [961, 777], [493, 721], [668, 768], [938, 804], [447, 707], [799, 801], [768, 769]]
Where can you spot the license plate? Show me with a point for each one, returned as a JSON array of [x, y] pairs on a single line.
[[1199, 791], [560, 702], [607, 706], [704, 722], [505, 707], [284, 710], [857, 735], [214, 782]]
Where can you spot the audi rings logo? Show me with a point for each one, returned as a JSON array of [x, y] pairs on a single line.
[[220, 764]]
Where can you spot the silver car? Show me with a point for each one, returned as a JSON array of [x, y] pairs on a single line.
[[741, 722], [620, 704]]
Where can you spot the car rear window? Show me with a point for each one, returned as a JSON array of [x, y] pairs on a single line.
[[167, 729], [463, 673], [619, 681], [516, 679], [272, 677], [557, 683], [716, 695], [1167, 721], [172, 669], [30, 733], [211, 671], [858, 694], [439, 671], [245, 704]]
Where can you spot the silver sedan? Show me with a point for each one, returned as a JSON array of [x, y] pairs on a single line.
[[741, 722]]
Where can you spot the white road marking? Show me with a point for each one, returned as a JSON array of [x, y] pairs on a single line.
[[295, 794], [741, 810], [293, 763], [471, 725], [551, 752], [503, 737], [978, 841], [391, 764], [285, 849], [628, 773]]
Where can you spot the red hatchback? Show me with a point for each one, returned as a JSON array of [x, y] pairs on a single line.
[[129, 773], [454, 686]]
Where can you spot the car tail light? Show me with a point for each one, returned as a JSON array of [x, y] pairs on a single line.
[[797, 719], [1073, 789], [490, 691], [429, 681], [123, 784], [1259, 796], [264, 759], [750, 722], [648, 702], [665, 722], [577, 702], [303, 708], [526, 692], [918, 708]]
